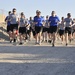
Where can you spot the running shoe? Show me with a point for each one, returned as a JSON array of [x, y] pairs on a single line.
[[14, 40], [53, 45], [20, 43], [66, 44], [50, 41], [11, 41]]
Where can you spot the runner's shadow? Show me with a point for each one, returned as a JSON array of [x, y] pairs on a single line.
[[3, 34]]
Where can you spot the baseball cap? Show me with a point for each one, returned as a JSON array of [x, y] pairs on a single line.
[[14, 9], [37, 11]]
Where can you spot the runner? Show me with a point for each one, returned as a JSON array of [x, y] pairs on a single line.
[[53, 20], [27, 30], [32, 27], [7, 20], [61, 28], [22, 28], [14, 24], [46, 29], [73, 29], [38, 21], [68, 29]]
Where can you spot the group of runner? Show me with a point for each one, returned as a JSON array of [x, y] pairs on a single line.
[[42, 29]]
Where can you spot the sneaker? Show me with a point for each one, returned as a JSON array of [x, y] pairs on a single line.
[[46, 40], [53, 45], [70, 40], [14, 40], [66, 44], [11, 41], [39, 43], [50, 41], [20, 43], [36, 43]]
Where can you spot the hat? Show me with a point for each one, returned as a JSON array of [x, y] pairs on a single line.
[[37, 11], [14, 9], [69, 14]]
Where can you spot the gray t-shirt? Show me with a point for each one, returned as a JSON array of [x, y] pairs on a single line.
[[13, 18], [73, 27], [46, 24], [27, 24], [62, 25], [22, 22], [68, 22], [31, 22]]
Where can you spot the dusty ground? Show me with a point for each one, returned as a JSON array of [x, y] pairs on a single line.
[[37, 60]]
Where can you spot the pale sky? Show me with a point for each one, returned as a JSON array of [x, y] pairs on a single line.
[[29, 7]]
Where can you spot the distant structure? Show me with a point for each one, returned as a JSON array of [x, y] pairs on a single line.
[[2, 18], [2, 15]]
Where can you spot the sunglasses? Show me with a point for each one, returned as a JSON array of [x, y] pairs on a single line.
[[14, 11]]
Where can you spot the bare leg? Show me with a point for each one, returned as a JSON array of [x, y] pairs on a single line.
[[40, 38], [36, 38], [66, 38], [54, 37]]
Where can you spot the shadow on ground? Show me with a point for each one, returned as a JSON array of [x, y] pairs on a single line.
[[14, 60], [3, 34]]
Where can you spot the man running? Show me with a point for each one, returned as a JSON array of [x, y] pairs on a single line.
[[61, 28], [22, 28], [46, 29], [14, 23], [38, 21], [29, 31], [7, 20], [53, 20], [32, 27], [68, 29]]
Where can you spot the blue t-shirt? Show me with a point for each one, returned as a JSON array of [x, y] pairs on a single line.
[[53, 20], [7, 19], [39, 20]]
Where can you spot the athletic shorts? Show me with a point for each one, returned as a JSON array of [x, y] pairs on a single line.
[[8, 28], [45, 29], [34, 33], [68, 30], [22, 30], [14, 26], [61, 32], [30, 29], [28, 32], [53, 29], [38, 29]]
